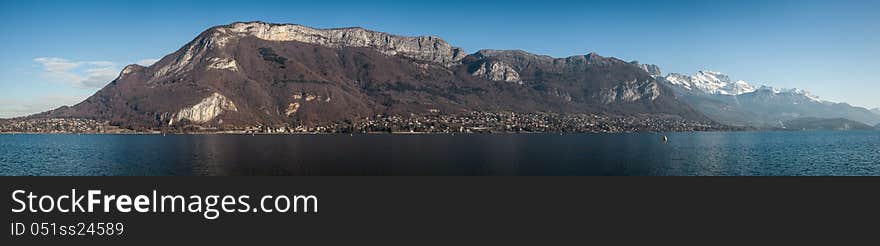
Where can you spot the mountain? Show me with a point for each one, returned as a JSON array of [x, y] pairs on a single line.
[[599, 84], [835, 124], [652, 69], [738, 103], [710, 82], [876, 111], [256, 73]]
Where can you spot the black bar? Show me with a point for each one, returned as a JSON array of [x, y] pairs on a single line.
[[480, 210]]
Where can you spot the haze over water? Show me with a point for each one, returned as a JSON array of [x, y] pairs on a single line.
[[699, 153]]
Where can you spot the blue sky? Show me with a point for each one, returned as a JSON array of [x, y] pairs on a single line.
[[60, 52]]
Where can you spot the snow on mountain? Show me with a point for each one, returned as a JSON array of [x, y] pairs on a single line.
[[717, 83], [792, 92], [742, 104], [710, 82]]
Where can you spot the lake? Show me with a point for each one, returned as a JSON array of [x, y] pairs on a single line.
[[686, 153]]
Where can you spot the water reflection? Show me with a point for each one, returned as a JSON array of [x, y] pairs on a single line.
[[721, 153]]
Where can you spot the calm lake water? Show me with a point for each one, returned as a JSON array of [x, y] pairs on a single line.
[[713, 153]]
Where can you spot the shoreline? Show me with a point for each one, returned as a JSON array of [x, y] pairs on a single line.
[[338, 133], [409, 133]]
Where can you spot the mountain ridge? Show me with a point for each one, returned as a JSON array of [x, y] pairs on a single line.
[[833, 124], [256, 73]]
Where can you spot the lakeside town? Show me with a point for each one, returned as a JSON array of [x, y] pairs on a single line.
[[58, 125], [475, 122]]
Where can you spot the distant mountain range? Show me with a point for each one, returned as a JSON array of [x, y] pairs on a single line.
[[835, 124], [256, 73], [740, 103]]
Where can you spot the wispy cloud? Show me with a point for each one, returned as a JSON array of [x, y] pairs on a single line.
[[10, 108], [81, 74], [147, 62], [98, 77]]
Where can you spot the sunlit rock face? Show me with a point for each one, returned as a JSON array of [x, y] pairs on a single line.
[[428, 49], [423, 48], [206, 110], [291, 109], [652, 69], [222, 63], [631, 91], [130, 69], [497, 71]]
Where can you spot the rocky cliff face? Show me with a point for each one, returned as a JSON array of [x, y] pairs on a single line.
[[496, 71], [425, 48], [205, 111], [652, 69], [254, 73], [631, 91], [609, 80]]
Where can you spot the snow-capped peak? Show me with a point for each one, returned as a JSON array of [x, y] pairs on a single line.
[[713, 82], [770, 89], [791, 91], [710, 82], [739, 87]]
